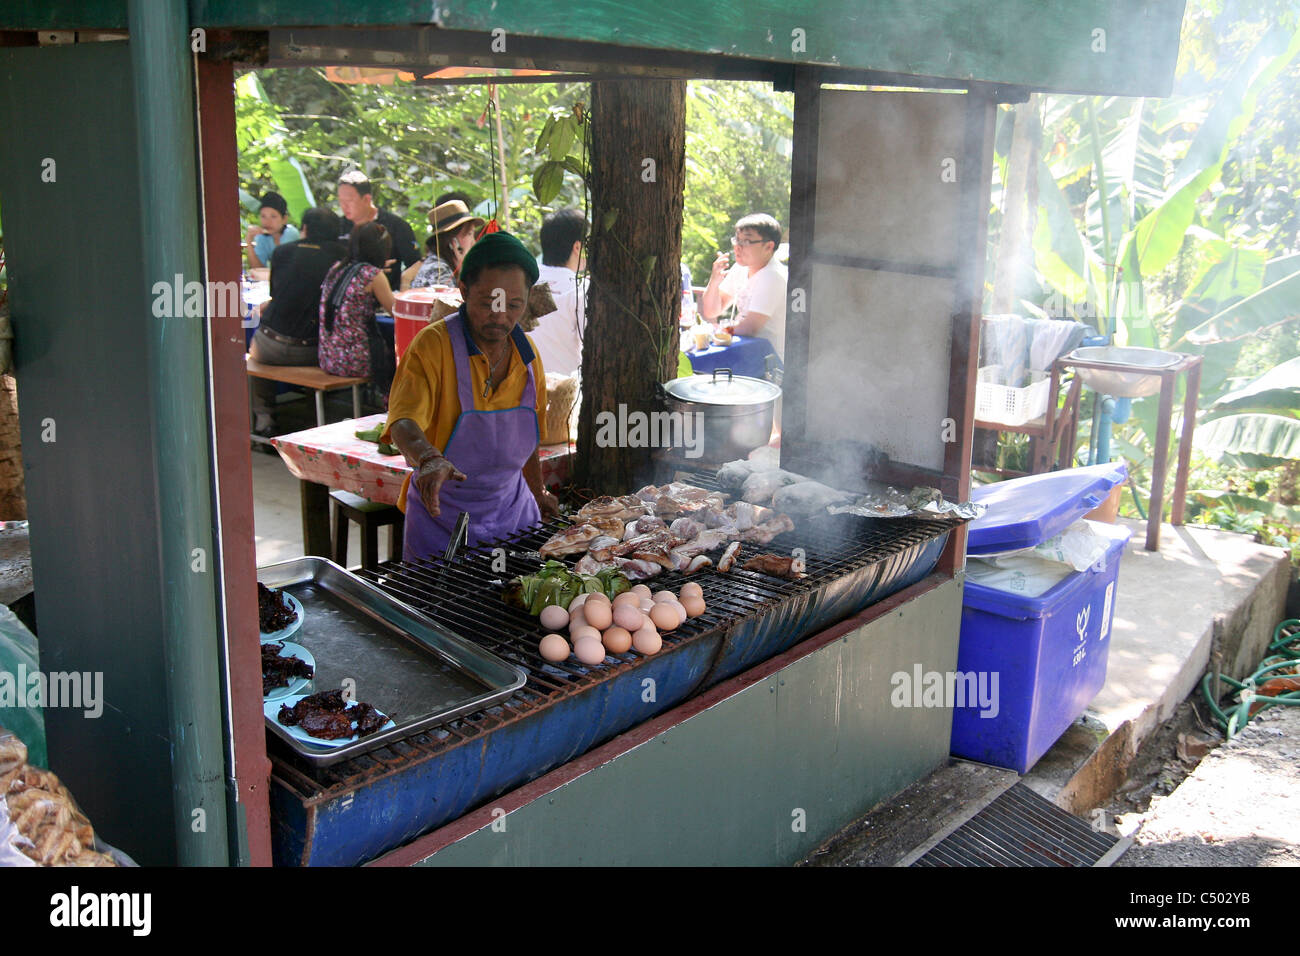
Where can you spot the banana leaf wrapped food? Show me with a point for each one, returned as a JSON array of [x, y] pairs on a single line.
[[555, 584]]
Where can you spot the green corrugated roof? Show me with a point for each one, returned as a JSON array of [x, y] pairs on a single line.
[[1104, 46]]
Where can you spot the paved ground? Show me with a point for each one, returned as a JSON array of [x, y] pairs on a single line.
[[1239, 807]]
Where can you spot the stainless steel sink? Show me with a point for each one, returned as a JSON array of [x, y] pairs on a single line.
[[1128, 382]]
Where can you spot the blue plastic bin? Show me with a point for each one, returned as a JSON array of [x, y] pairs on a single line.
[[1048, 652]]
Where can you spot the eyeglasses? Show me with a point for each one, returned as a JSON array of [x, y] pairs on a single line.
[[748, 242]]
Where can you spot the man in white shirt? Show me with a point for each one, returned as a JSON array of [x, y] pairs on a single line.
[[755, 285], [558, 336]]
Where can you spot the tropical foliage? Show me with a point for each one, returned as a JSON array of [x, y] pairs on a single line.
[[1172, 224], [299, 131]]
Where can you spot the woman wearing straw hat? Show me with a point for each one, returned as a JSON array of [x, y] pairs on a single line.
[[454, 230]]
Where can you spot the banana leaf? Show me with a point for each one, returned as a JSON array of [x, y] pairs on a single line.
[[1277, 391], [1273, 437]]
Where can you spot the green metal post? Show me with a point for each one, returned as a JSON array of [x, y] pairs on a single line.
[[164, 97]]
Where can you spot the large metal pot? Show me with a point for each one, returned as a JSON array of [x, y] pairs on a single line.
[[735, 415]]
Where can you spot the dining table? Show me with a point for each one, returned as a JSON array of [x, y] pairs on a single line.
[[331, 456], [748, 355]]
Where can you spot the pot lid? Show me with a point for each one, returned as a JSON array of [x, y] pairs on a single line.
[[723, 388]]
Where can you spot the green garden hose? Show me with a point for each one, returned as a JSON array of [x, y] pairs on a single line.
[[1283, 652]]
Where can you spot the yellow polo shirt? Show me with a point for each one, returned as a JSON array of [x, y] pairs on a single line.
[[425, 389]]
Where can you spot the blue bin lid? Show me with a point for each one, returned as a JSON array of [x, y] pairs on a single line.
[[1027, 511]]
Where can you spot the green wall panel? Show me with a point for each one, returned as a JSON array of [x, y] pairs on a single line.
[[81, 335], [723, 787], [1049, 44]]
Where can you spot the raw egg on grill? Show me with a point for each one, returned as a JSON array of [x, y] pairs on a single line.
[[554, 648], [554, 617], [694, 605], [598, 615], [641, 589], [629, 616], [664, 616], [616, 640], [691, 588], [647, 640], [589, 650], [585, 631]]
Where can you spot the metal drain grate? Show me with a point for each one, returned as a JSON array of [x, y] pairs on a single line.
[[1020, 828]]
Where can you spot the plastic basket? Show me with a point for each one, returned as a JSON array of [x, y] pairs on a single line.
[[1010, 406]]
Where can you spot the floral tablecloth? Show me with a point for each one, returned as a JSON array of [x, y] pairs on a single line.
[[333, 455]]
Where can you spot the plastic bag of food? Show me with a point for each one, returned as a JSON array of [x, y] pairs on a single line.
[[11, 841]]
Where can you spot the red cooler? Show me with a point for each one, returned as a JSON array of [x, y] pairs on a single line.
[[416, 308]]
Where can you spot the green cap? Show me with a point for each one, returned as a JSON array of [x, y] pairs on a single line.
[[500, 249]]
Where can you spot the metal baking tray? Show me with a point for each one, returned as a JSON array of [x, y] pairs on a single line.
[[409, 667]]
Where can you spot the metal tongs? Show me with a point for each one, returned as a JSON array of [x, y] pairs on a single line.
[[459, 534]]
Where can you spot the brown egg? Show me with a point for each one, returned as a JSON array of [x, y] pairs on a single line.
[[663, 596], [585, 631], [589, 650], [642, 589], [681, 612], [645, 605], [628, 617], [691, 588], [553, 648], [627, 597], [554, 617], [576, 619], [617, 640], [598, 615], [647, 640], [694, 606], [664, 617], [578, 602], [597, 596]]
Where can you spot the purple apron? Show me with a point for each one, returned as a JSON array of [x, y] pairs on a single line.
[[491, 448]]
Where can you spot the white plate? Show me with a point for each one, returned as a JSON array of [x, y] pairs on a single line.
[[297, 685], [287, 632], [272, 708]]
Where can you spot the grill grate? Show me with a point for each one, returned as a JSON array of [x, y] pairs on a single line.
[[1020, 828], [465, 597]]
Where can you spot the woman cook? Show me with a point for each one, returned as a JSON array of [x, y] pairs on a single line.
[[465, 406]]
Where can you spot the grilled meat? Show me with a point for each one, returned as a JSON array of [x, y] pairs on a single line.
[[684, 529], [763, 533], [777, 566], [624, 508], [703, 542], [643, 525], [368, 719], [572, 540], [278, 671], [729, 557], [326, 715], [273, 611], [326, 725]]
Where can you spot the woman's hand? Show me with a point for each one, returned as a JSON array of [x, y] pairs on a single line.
[[428, 480], [549, 504]]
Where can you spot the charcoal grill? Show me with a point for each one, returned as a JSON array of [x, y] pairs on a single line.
[[358, 809]]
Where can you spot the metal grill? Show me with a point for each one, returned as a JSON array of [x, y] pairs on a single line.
[[465, 597], [1020, 828]]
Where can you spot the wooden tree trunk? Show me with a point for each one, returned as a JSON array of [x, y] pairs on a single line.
[[13, 491], [13, 494], [637, 175]]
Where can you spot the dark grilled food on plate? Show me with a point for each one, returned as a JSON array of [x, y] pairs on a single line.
[[326, 715], [273, 611], [278, 671]]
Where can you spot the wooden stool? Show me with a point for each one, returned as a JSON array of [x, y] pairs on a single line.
[[371, 516]]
